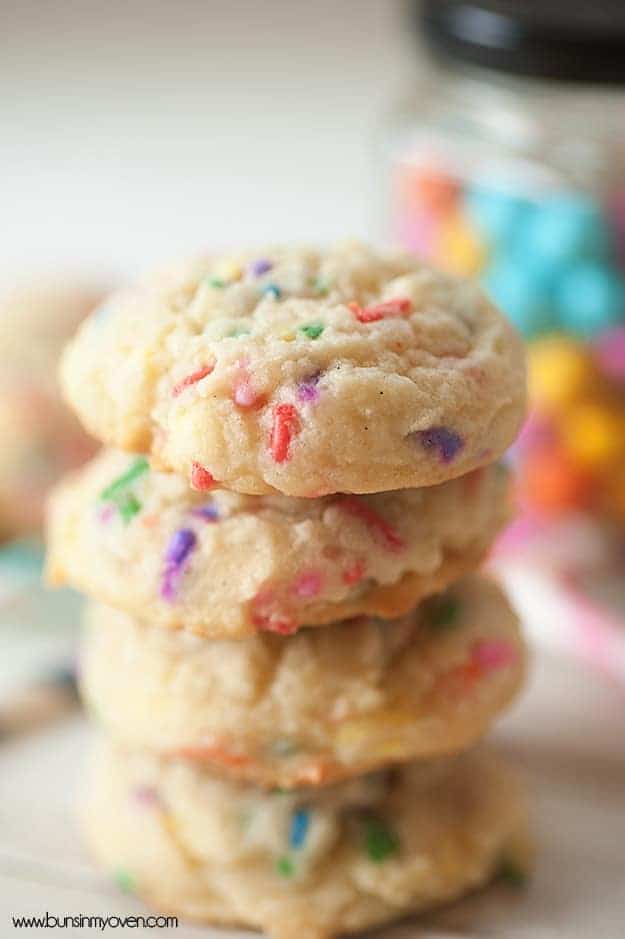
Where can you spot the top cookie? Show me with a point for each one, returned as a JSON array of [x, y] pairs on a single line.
[[303, 372]]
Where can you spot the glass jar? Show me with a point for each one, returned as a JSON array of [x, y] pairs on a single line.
[[507, 161]]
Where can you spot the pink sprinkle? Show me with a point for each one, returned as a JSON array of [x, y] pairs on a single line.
[[145, 795], [308, 584], [243, 392], [106, 512], [307, 389], [380, 529], [492, 654], [268, 616], [192, 379]]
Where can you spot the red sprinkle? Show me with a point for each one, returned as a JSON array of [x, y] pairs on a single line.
[[268, 616], [380, 311], [374, 522], [201, 479], [351, 575], [192, 379], [285, 426]]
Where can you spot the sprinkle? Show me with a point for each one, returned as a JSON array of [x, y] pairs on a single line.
[[285, 426], [137, 468], [128, 506], [283, 746], [355, 573], [391, 540], [106, 513], [267, 615], [511, 873], [201, 479], [228, 271], [492, 654], [447, 442], [285, 867], [272, 289], [307, 389], [243, 392], [237, 331], [180, 546], [308, 584], [192, 379], [441, 611], [380, 842], [259, 267], [320, 286], [208, 512], [124, 880], [217, 282], [312, 330], [145, 795], [380, 311], [300, 823]]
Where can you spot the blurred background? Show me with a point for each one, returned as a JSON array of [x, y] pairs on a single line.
[[488, 137]]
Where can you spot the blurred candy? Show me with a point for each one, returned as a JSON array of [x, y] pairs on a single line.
[[459, 249], [558, 371], [495, 213], [593, 436], [418, 233], [436, 190], [564, 228], [610, 353], [552, 483], [589, 298], [521, 296]]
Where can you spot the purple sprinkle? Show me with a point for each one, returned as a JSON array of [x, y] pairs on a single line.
[[307, 390], [178, 550], [145, 795], [447, 442], [206, 512], [260, 267], [180, 546]]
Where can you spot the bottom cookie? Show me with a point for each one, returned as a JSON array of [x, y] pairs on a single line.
[[302, 865]]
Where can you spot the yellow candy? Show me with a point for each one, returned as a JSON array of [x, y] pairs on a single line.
[[593, 435], [459, 249], [559, 372], [365, 733]]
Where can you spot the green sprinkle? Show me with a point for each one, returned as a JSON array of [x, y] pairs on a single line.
[[312, 330], [380, 842], [285, 867], [124, 880], [128, 506], [441, 612], [217, 282], [237, 331], [137, 468], [511, 873], [284, 747], [319, 285]]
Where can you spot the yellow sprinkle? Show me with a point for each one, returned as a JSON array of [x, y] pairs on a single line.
[[228, 270], [288, 337], [559, 372]]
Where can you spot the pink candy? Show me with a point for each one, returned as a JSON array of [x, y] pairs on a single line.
[[492, 654], [308, 584]]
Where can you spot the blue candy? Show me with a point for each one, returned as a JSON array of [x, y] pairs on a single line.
[[522, 295], [564, 228], [495, 213], [589, 298]]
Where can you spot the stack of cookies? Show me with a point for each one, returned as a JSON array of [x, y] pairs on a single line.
[[289, 649]]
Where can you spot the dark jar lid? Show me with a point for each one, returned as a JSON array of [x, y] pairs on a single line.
[[568, 40]]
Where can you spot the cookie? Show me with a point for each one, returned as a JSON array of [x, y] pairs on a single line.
[[319, 706], [302, 372], [298, 865], [40, 439], [227, 565]]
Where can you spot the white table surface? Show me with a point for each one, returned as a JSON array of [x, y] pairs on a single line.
[[566, 735]]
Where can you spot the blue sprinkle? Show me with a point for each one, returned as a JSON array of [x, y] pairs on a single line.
[[272, 289], [300, 823], [180, 546]]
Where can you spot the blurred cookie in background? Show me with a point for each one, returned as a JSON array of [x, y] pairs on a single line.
[[39, 438]]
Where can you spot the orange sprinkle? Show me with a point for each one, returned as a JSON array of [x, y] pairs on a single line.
[[192, 379]]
